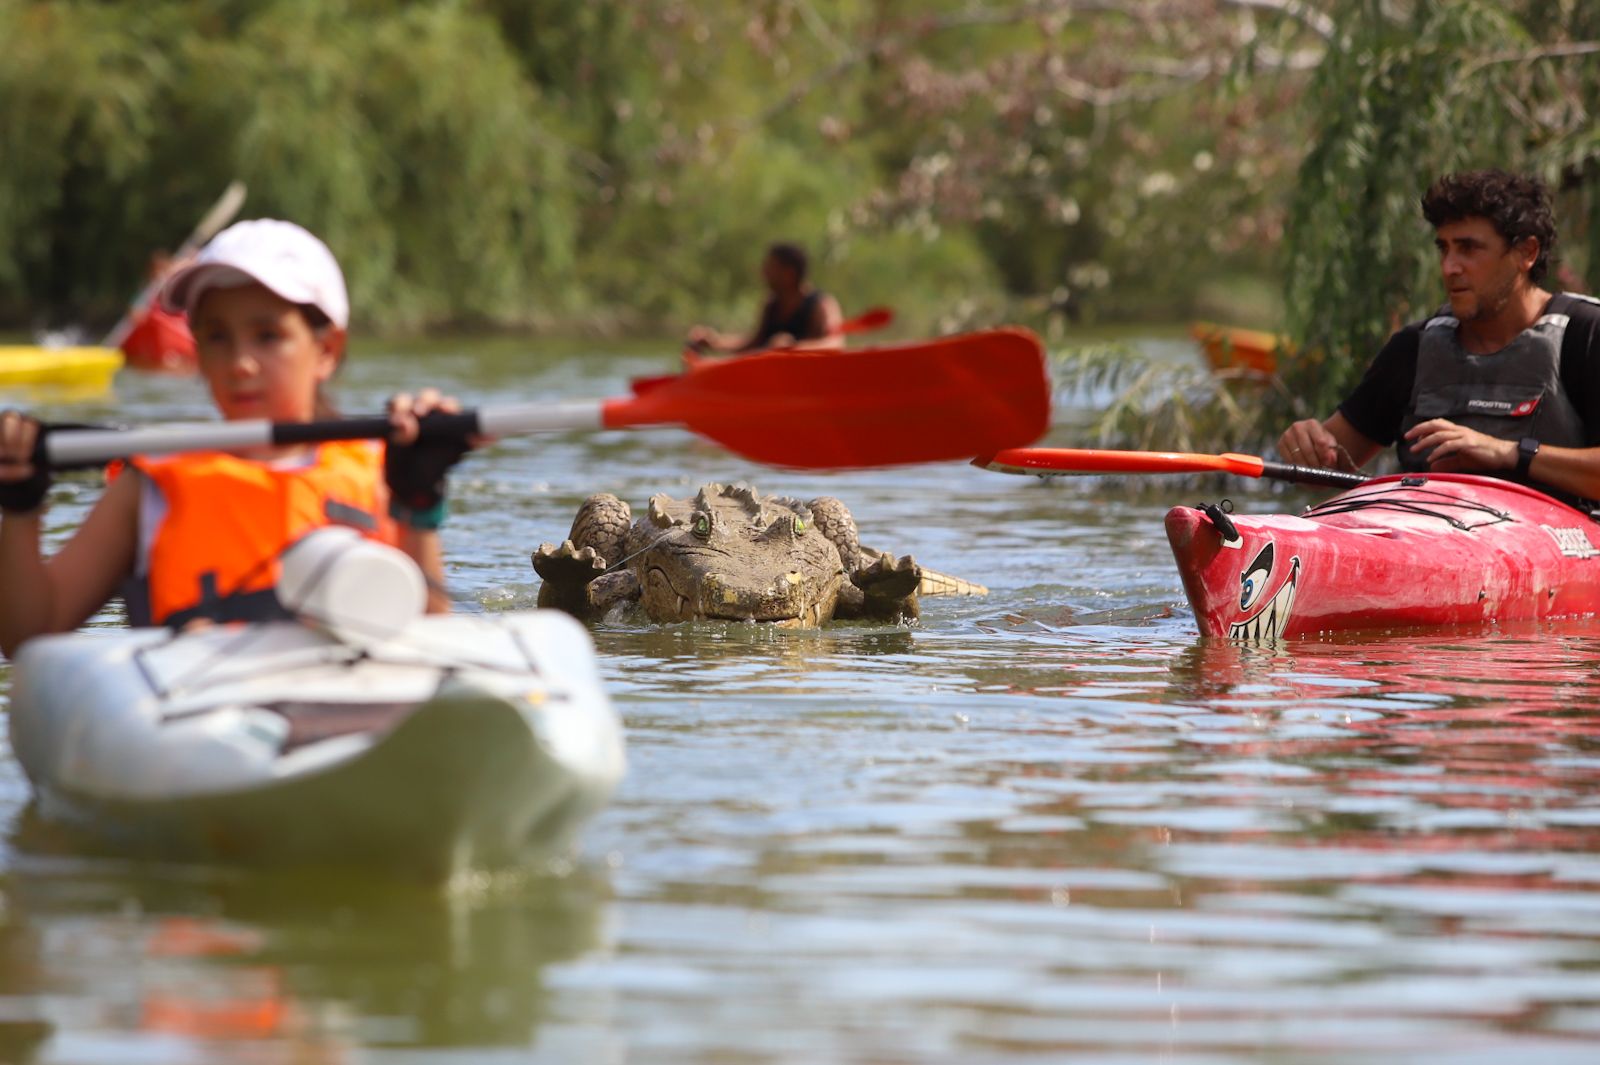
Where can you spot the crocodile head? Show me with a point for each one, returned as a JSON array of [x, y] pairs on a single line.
[[731, 553]]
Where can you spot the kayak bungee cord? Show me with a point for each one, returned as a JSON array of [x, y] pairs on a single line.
[[335, 654], [1353, 504]]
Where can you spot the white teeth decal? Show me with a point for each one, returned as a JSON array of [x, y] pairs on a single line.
[[1269, 622]]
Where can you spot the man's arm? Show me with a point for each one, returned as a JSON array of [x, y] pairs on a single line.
[[705, 338], [1369, 418], [1452, 448], [825, 327], [1333, 444]]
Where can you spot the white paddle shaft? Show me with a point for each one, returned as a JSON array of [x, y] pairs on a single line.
[[517, 419], [80, 447]]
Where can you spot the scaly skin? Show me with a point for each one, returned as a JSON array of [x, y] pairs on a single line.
[[731, 554]]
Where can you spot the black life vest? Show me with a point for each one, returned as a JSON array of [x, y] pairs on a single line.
[[797, 324]]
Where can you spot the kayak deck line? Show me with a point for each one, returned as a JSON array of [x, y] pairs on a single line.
[[1401, 551], [1433, 504]]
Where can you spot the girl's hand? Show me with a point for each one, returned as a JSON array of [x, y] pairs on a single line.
[[22, 484], [414, 469]]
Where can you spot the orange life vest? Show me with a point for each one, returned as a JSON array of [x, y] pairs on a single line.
[[215, 552]]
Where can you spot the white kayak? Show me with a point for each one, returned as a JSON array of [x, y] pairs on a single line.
[[456, 742]]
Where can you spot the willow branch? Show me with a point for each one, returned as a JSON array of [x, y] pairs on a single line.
[[1570, 50], [1299, 10]]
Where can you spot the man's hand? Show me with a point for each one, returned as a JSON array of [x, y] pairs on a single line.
[[1451, 448], [1308, 443], [703, 338]]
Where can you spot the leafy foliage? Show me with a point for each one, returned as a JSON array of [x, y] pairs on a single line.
[[621, 162], [1160, 405]]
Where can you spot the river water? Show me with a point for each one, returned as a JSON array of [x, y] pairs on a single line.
[[1050, 825]]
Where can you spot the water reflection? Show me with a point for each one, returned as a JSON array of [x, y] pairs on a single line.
[[204, 966]]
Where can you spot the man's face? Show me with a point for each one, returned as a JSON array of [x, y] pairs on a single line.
[[1480, 270], [777, 276]]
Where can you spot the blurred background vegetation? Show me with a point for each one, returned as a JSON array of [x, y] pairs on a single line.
[[615, 167]]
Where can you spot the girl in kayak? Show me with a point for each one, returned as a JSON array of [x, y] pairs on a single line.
[[198, 536]]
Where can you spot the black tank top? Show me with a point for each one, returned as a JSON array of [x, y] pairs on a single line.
[[797, 325]]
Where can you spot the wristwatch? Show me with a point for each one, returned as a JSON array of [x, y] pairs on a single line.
[[1527, 447]]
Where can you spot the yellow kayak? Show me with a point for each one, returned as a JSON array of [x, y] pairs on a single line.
[[58, 372]]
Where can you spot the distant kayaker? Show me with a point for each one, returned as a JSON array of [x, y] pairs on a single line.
[[796, 315], [1504, 380], [196, 537]]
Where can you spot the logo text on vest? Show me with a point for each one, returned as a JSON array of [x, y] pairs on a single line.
[[1500, 406]]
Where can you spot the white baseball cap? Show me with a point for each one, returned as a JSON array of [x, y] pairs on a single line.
[[281, 256]]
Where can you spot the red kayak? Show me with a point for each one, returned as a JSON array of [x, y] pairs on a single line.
[[160, 341], [1403, 551]]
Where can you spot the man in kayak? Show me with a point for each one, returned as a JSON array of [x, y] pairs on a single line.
[[1503, 381], [197, 537], [796, 315]]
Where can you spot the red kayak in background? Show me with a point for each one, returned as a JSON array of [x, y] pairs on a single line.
[[160, 341], [998, 341], [1402, 551]]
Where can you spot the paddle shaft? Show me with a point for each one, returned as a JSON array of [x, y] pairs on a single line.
[[221, 214], [82, 448], [1284, 471], [1048, 462], [868, 320]]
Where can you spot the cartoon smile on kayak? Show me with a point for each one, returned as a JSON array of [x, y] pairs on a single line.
[[1271, 615]]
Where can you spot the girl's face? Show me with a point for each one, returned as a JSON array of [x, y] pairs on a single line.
[[259, 355]]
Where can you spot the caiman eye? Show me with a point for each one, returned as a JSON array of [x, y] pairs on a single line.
[[701, 526], [1254, 580], [799, 524]]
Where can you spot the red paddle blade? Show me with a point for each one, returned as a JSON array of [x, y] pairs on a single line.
[[930, 402], [1062, 460], [641, 385]]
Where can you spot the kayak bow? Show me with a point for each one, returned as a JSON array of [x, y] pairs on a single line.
[[1402, 551]]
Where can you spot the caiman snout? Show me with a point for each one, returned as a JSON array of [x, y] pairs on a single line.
[[782, 598]]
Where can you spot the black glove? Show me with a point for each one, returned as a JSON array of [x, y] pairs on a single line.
[[20, 497], [416, 472]]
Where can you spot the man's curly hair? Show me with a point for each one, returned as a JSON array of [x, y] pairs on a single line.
[[1517, 205]]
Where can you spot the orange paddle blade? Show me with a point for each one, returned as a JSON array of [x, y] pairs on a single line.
[[929, 402]]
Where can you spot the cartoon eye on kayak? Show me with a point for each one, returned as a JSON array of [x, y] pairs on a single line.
[[1254, 581], [1269, 621]]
